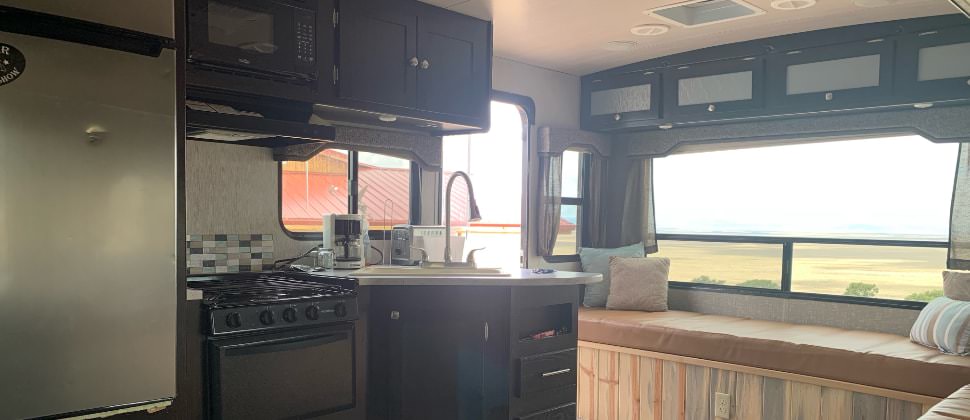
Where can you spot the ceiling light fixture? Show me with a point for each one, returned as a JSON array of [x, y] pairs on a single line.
[[963, 5], [387, 118], [649, 29], [619, 45], [792, 4]]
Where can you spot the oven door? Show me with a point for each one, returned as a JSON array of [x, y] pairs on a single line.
[[274, 38], [298, 374]]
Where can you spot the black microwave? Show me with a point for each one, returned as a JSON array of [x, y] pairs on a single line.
[[266, 38]]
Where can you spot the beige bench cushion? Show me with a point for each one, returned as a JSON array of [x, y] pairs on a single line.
[[957, 406], [866, 358]]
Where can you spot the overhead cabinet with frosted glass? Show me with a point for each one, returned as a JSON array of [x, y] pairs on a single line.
[[935, 65], [880, 65], [717, 90], [832, 77], [627, 99]]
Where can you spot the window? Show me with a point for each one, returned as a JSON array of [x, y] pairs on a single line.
[[321, 185], [858, 218], [495, 163], [569, 238]]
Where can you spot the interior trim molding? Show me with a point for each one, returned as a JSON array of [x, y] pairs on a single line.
[[938, 124], [555, 140]]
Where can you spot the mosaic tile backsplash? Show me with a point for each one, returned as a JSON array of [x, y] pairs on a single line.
[[210, 254]]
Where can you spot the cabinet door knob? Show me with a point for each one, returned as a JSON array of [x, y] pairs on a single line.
[[711, 108], [395, 315], [829, 96], [425, 64], [616, 117], [413, 61], [968, 82]]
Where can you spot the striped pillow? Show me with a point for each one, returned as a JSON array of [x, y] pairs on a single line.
[[944, 324]]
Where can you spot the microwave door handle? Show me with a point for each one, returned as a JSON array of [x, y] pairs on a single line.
[[275, 346]]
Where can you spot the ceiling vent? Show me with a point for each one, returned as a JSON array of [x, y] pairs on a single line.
[[705, 12], [792, 4]]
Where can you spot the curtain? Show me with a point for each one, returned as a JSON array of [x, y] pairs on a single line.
[[594, 220], [959, 253], [639, 220], [550, 200]]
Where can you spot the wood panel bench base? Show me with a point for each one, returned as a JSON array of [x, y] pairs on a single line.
[[619, 383]]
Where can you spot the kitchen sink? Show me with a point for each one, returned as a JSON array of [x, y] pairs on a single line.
[[402, 271]]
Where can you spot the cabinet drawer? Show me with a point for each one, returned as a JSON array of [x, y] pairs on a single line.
[[565, 412], [547, 371]]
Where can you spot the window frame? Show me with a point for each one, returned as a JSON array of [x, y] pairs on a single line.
[[581, 202], [788, 244], [353, 190]]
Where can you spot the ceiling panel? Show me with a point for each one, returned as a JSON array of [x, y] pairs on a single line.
[[570, 35]]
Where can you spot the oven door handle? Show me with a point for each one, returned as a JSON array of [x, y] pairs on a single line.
[[296, 343]]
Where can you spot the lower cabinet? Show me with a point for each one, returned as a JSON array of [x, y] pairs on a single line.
[[471, 353]]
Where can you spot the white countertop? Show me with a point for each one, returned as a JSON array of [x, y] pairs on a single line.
[[517, 277]]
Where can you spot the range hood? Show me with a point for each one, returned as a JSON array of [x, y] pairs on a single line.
[[223, 123]]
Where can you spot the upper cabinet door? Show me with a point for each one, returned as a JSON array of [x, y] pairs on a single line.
[[935, 65], [454, 63], [378, 55], [715, 90], [621, 100], [832, 77]]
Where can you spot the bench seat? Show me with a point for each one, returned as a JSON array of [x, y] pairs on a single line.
[[865, 358], [956, 407]]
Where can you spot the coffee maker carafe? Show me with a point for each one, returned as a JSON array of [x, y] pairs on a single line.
[[343, 234]]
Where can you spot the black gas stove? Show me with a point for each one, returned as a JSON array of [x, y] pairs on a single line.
[[279, 344], [247, 302]]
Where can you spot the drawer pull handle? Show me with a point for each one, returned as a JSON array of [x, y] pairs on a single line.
[[556, 372]]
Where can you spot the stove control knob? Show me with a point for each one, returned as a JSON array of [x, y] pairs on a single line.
[[313, 312], [233, 320], [266, 317], [340, 310], [289, 315]]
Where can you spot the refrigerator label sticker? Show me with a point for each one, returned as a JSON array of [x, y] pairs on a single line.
[[12, 63]]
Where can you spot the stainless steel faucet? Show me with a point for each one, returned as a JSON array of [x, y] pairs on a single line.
[[472, 205]]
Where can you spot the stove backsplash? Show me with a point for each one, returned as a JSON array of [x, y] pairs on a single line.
[[229, 253]]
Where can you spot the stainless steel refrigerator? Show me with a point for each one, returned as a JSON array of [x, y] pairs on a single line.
[[87, 206]]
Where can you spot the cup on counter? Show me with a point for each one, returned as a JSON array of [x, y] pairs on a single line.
[[325, 259]]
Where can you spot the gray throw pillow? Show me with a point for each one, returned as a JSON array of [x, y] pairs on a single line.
[[597, 260], [638, 284], [956, 285]]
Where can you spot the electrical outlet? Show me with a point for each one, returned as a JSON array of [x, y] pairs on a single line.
[[722, 405]]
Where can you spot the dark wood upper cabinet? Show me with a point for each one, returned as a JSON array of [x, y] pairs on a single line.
[[714, 90], [378, 52], [617, 101], [413, 60], [935, 65], [454, 53], [872, 66], [833, 77]]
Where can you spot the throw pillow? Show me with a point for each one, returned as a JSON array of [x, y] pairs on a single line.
[[944, 324], [956, 285], [638, 284], [597, 260]]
